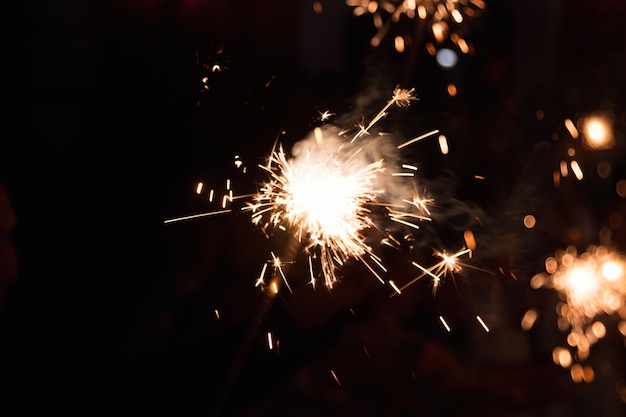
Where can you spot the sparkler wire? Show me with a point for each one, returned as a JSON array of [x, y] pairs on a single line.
[[267, 300]]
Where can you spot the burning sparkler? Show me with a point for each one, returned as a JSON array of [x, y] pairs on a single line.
[[444, 19], [590, 285], [328, 193]]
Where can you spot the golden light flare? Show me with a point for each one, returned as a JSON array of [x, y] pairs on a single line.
[[591, 284], [597, 132]]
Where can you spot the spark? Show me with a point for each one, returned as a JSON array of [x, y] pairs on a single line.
[[529, 319], [270, 343], [195, 216], [571, 128], [470, 240], [311, 274], [578, 172], [395, 287], [425, 135], [482, 323], [445, 324], [443, 144], [448, 264], [401, 97], [261, 279], [335, 377], [278, 266], [326, 115]]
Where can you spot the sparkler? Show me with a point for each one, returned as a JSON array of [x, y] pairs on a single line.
[[444, 18], [333, 191], [590, 285]]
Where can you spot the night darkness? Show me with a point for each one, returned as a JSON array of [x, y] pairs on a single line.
[[105, 308]]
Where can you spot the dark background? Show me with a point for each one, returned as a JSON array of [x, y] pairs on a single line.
[[106, 308]]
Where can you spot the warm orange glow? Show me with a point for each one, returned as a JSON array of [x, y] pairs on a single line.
[[399, 44], [597, 132], [335, 377], [443, 144], [571, 128], [452, 90], [463, 46], [529, 221], [529, 319], [439, 31], [578, 172], [470, 241]]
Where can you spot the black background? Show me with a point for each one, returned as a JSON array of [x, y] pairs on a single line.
[[113, 310]]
